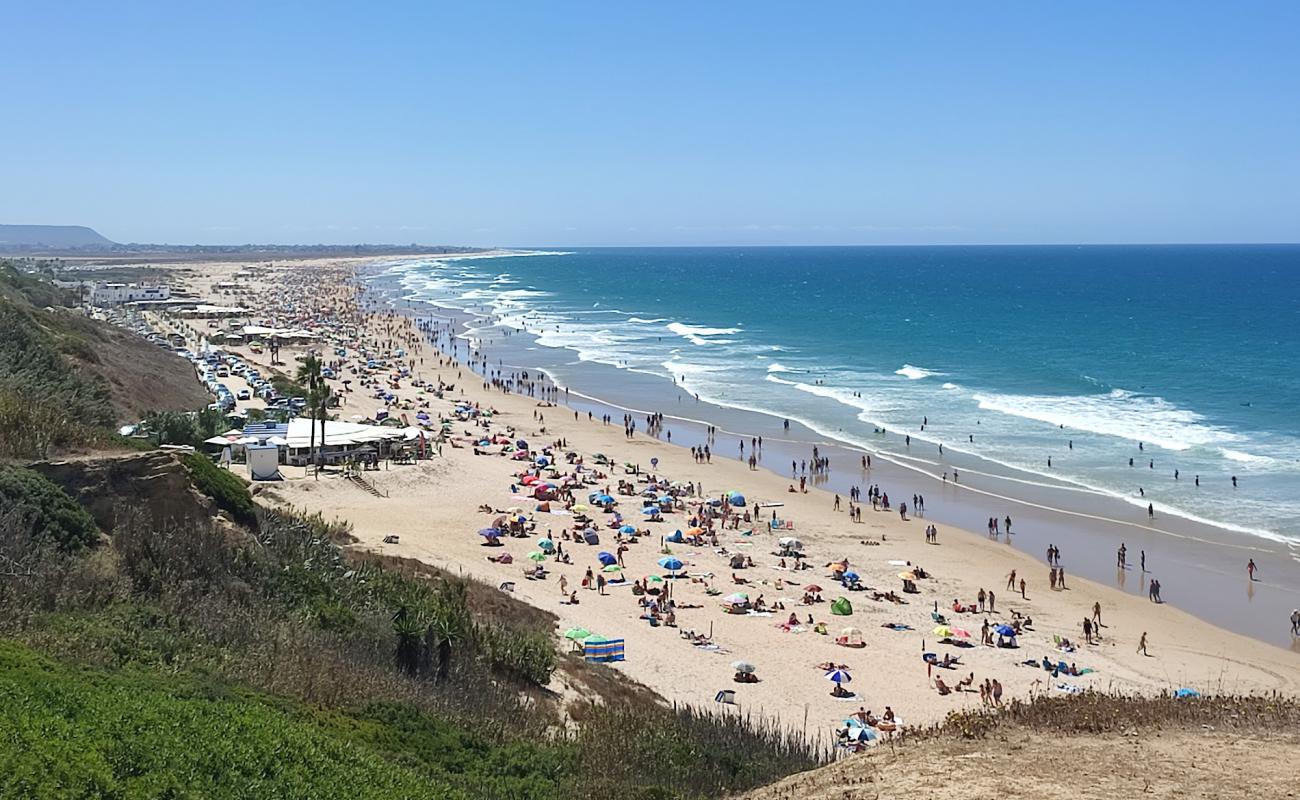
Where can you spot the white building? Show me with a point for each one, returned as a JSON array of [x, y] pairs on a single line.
[[114, 294]]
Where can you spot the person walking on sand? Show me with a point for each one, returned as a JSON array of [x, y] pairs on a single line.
[[981, 597], [992, 602], [1096, 613], [564, 585], [1087, 630], [1022, 589], [1142, 644], [1011, 581]]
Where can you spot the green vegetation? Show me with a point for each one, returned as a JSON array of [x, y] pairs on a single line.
[[52, 516], [44, 401], [223, 486], [286, 386], [205, 661], [176, 427], [86, 733]]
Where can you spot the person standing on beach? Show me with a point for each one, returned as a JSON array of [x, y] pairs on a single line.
[[1096, 614], [1120, 560], [981, 597], [1295, 622], [1087, 630], [1142, 644], [1011, 581], [1250, 569], [993, 601], [1022, 589], [1142, 554]]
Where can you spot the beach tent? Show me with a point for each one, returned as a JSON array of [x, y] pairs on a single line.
[[606, 559], [841, 607], [676, 537]]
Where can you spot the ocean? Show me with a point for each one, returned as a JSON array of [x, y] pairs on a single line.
[[1182, 358]]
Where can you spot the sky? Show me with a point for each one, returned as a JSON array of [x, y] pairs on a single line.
[[664, 123]]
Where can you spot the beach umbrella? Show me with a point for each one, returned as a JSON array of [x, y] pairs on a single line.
[[611, 568], [670, 563], [606, 558], [650, 510], [514, 510], [743, 666], [812, 587], [595, 638], [627, 529], [577, 633], [736, 599], [1004, 630], [943, 631], [861, 733], [839, 676], [851, 577], [489, 533], [581, 508], [737, 499], [521, 444], [790, 542], [907, 576], [604, 498], [546, 544], [537, 555], [961, 633], [654, 579], [542, 461]]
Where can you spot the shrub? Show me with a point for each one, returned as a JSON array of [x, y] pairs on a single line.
[[55, 517], [224, 487]]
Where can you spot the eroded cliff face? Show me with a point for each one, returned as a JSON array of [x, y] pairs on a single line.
[[152, 487]]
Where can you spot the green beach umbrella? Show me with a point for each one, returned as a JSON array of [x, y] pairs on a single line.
[[655, 579], [537, 556], [612, 568], [577, 633]]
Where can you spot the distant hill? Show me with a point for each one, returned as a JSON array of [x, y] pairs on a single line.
[[24, 237]]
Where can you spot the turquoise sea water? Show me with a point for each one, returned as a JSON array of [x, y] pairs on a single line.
[[1193, 352]]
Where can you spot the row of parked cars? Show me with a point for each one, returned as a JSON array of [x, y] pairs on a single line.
[[214, 365]]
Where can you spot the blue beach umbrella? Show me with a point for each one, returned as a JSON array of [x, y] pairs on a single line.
[[606, 558], [489, 532], [651, 510], [850, 577], [670, 563], [1004, 630], [627, 529], [546, 544]]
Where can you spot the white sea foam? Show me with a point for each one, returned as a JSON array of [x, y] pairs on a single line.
[[1140, 418], [698, 334], [915, 373], [1250, 458], [640, 321], [951, 386]]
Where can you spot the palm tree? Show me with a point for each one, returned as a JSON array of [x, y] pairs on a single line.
[[309, 376], [322, 397]]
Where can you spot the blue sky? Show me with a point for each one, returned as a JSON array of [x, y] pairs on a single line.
[[654, 123]]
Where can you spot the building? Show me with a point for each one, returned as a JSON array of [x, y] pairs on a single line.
[[115, 294]]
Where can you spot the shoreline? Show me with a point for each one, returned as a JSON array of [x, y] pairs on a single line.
[[1192, 552]]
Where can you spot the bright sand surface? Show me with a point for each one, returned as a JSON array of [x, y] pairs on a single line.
[[433, 506]]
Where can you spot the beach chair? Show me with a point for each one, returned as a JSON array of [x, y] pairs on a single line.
[[727, 696], [507, 586]]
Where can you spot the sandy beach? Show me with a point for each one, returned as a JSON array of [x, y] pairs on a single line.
[[433, 509]]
